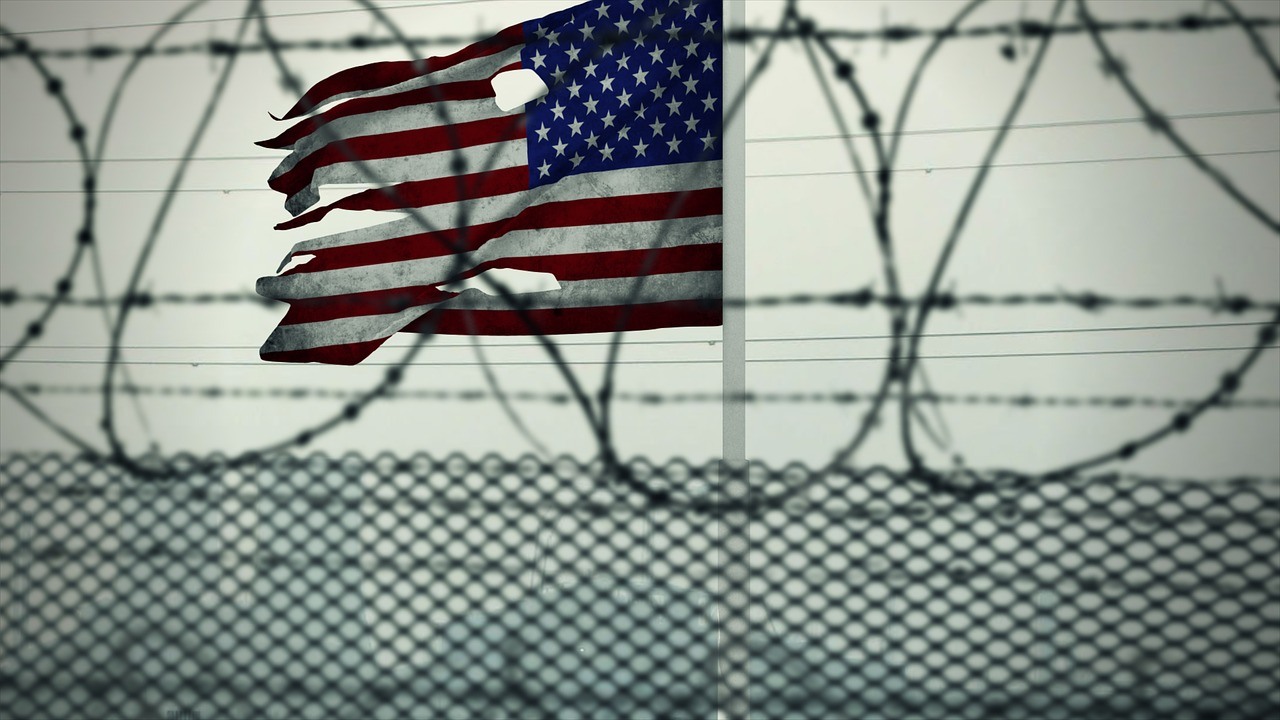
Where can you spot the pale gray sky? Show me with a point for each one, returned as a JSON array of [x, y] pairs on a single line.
[[1073, 212]]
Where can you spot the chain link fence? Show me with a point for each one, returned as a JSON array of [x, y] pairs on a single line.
[[316, 587]]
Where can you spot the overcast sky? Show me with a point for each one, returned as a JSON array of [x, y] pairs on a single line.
[[1077, 208]]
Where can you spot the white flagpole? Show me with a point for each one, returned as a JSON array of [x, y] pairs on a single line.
[[734, 602], [735, 251]]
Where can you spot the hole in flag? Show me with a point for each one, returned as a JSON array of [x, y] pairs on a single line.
[[517, 281], [294, 261], [517, 87]]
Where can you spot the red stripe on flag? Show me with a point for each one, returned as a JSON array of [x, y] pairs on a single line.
[[461, 90], [399, 144], [649, 316], [385, 74], [564, 321], [576, 266], [568, 213], [421, 193], [623, 263]]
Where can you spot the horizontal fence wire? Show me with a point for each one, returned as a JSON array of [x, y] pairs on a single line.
[[314, 586]]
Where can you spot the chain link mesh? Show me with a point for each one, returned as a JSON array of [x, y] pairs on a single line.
[[348, 587]]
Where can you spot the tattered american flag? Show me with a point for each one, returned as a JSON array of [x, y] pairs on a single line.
[[611, 182]]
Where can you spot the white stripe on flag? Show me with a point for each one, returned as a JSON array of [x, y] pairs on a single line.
[[607, 184], [475, 68], [304, 336], [606, 292], [386, 171], [413, 117], [603, 292]]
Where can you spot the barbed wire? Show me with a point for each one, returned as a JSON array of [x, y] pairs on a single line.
[[825, 59], [655, 397], [1114, 68], [84, 238], [197, 362], [12, 296], [896, 33], [712, 342], [1087, 300], [903, 368], [910, 364], [1182, 523]]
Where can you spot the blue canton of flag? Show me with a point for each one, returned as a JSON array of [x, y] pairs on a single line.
[[632, 83]]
